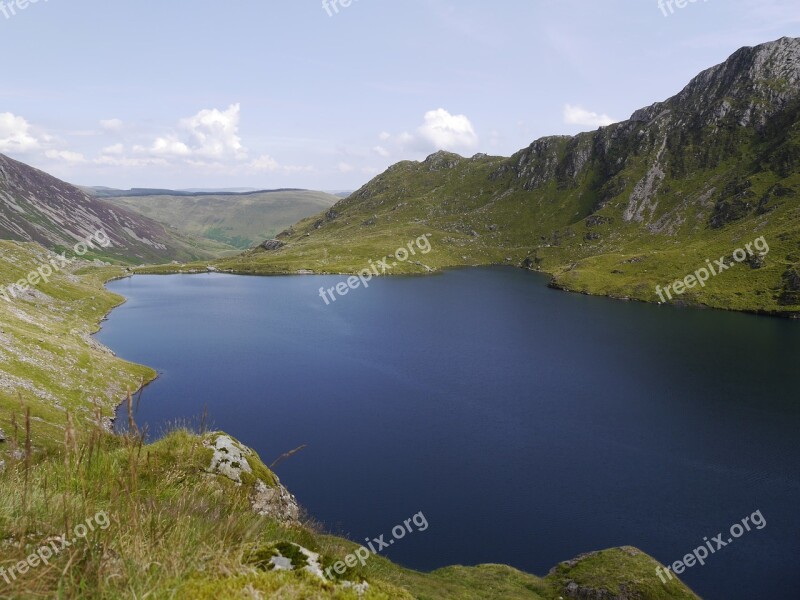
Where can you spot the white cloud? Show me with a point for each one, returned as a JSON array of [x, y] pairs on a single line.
[[405, 139], [15, 134], [209, 134], [207, 142], [345, 167], [169, 146], [128, 162], [112, 125], [216, 132], [114, 149], [444, 131], [575, 115], [440, 130], [264, 163], [66, 155]]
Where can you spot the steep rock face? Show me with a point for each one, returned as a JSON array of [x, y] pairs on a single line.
[[699, 128], [537, 164], [753, 85], [36, 207]]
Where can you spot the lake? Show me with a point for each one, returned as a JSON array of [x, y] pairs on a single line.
[[529, 425]]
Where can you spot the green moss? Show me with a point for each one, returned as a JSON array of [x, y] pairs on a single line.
[[615, 572], [260, 472]]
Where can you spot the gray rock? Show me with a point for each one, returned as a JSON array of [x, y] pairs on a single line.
[[276, 502], [272, 245], [231, 459]]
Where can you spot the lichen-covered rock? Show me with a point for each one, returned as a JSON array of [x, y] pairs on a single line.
[[235, 461], [287, 556], [358, 588], [229, 458], [276, 502]]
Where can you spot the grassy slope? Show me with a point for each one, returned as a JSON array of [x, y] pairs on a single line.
[[35, 204], [478, 222], [239, 220], [46, 352], [175, 530]]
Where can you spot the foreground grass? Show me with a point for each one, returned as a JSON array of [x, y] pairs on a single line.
[[173, 530]]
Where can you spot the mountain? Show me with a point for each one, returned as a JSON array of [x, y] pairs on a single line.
[[107, 192], [240, 220], [242, 190], [37, 207], [617, 211]]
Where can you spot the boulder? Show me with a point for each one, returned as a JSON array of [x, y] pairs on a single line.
[[276, 502], [272, 245]]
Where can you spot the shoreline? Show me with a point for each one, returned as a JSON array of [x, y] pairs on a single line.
[[98, 327], [553, 284]]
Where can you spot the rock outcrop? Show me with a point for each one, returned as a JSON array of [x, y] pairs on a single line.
[[271, 245], [235, 461]]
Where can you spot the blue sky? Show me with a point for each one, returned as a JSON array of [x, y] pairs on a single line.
[[268, 93]]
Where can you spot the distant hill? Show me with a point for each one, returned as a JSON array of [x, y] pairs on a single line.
[[106, 192], [221, 190], [617, 211], [240, 220], [37, 207]]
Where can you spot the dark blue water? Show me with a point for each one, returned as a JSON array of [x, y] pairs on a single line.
[[528, 425]]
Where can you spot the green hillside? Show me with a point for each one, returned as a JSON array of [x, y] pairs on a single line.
[[238, 220], [618, 211], [37, 207]]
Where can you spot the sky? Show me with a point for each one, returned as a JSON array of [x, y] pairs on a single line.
[[288, 93]]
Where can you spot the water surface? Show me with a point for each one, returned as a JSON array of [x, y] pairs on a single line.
[[528, 425]]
